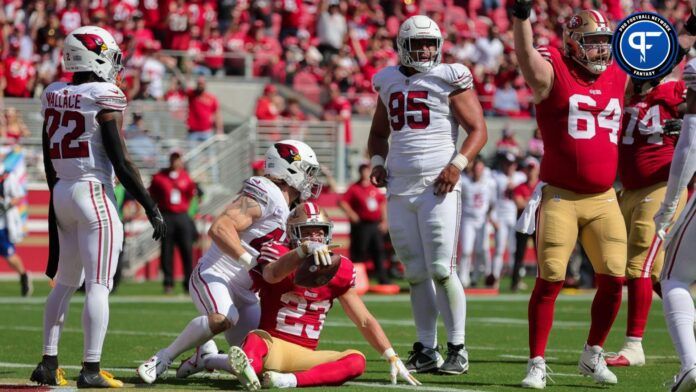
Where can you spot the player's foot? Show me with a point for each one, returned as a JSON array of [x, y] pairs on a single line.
[[630, 355], [45, 376], [457, 361], [492, 282], [423, 359], [242, 369], [153, 368], [195, 363], [685, 380], [592, 364], [27, 286], [100, 379], [536, 374], [278, 380]]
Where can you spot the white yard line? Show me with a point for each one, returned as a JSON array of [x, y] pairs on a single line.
[[409, 387]]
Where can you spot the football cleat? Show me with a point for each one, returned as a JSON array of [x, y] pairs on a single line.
[[45, 376], [239, 363], [631, 354], [101, 379], [27, 286], [278, 380], [457, 361], [423, 359], [685, 380], [536, 374], [196, 363], [153, 368], [592, 364]]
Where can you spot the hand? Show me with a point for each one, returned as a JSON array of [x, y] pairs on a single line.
[[378, 177], [521, 9], [672, 127], [446, 180], [663, 219], [397, 368], [320, 251], [157, 222]]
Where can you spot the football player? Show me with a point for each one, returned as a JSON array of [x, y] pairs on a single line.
[[220, 285], [82, 149], [579, 96], [679, 270], [478, 195], [292, 317], [421, 105], [645, 154]]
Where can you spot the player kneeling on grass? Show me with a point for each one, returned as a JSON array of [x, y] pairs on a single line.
[[283, 349]]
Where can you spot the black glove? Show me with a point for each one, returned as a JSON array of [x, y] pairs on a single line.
[[672, 127], [521, 9], [158, 225], [690, 25]]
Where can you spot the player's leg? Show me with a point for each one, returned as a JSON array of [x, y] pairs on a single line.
[[403, 223], [167, 254], [184, 237], [504, 239], [556, 237], [482, 251], [678, 273], [467, 239], [8, 252], [438, 218], [603, 237]]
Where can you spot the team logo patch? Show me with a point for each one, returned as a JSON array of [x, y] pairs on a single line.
[[288, 152], [645, 45], [575, 22], [92, 42]]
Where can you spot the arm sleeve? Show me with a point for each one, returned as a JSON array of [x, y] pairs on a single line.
[[684, 161]]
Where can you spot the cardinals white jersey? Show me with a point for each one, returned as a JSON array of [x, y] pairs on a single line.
[[269, 227], [423, 128], [505, 207], [70, 120], [477, 197]]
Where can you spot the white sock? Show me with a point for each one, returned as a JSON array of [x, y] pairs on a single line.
[[465, 270], [95, 320], [451, 302], [55, 313], [425, 312], [196, 333], [679, 314], [287, 380], [217, 362]]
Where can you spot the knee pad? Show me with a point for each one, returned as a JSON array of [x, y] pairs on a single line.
[[441, 273], [218, 323], [416, 277]]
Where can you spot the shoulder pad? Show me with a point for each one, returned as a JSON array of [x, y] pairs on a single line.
[[458, 76], [109, 96], [255, 189]]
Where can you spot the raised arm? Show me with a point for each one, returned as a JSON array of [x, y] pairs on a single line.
[[537, 72]]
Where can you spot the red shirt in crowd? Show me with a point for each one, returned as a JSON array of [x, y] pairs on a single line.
[[18, 74], [524, 190], [202, 110], [172, 190], [341, 107], [266, 109], [366, 201]]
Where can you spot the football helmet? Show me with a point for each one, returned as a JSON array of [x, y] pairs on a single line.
[[295, 163], [416, 28], [305, 215], [92, 49], [580, 26]]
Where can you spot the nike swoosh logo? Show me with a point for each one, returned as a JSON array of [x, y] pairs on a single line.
[[423, 364], [647, 200]]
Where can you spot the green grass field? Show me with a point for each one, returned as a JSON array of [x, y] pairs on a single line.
[[143, 320]]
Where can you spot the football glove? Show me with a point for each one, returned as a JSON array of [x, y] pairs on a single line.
[[521, 9], [157, 222], [320, 251], [398, 369], [672, 127], [663, 219]]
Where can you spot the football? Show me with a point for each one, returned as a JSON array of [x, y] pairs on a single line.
[[311, 275]]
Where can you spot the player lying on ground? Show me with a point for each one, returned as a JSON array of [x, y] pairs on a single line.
[[283, 349]]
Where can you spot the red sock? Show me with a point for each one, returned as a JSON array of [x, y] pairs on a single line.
[[540, 315], [255, 348], [605, 307], [639, 301], [332, 373]]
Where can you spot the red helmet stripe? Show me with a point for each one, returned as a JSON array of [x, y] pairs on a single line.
[[599, 18]]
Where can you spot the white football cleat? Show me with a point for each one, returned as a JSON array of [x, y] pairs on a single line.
[[536, 374], [279, 380], [685, 380], [153, 368], [196, 363], [631, 354], [242, 369], [592, 364]]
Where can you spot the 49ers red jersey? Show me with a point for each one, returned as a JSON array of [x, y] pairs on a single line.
[[645, 154], [293, 313], [579, 123]]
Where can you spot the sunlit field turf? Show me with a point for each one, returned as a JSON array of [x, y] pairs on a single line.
[[143, 321]]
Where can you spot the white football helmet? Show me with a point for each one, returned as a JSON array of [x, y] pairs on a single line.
[[92, 49], [308, 214], [295, 163], [414, 28]]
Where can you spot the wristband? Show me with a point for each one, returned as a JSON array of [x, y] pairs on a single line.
[[247, 261], [388, 353], [376, 160], [460, 162]]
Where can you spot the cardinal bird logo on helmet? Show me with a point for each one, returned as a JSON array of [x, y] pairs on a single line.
[[92, 42], [288, 152]]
